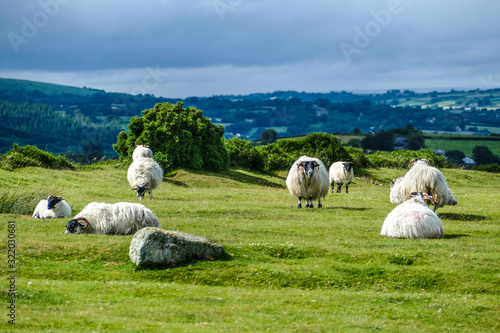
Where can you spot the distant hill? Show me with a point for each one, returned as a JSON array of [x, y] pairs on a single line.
[[290, 113]]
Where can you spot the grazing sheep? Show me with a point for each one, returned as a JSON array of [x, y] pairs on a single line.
[[53, 207], [423, 178], [341, 173], [144, 174], [122, 218], [141, 151], [308, 178], [413, 219]]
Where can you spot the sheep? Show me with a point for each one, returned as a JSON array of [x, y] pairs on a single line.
[[54, 206], [423, 178], [308, 178], [141, 151], [413, 219], [341, 173], [144, 174], [122, 218]]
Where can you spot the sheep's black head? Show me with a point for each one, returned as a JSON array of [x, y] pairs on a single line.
[[140, 191], [308, 167], [348, 166], [75, 226], [53, 201]]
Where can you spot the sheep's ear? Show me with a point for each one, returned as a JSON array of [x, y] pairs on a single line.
[[83, 224], [146, 188], [316, 165], [134, 189]]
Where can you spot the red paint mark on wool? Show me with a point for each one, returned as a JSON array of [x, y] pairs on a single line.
[[415, 215]]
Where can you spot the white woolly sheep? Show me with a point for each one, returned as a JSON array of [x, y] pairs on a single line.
[[122, 218], [141, 151], [308, 178], [423, 178], [341, 173], [413, 219], [144, 174], [53, 207]]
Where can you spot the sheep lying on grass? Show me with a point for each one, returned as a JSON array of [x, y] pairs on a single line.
[[308, 178], [142, 151], [122, 218], [341, 173], [53, 207], [423, 178], [413, 219], [144, 174]]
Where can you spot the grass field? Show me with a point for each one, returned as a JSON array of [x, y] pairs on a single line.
[[465, 146], [286, 270]]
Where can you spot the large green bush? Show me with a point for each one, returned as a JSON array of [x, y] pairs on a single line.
[[243, 154], [20, 157], [281, 154], [400, 158], [179, 138]]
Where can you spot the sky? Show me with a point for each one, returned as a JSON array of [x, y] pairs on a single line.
[[178, 49]]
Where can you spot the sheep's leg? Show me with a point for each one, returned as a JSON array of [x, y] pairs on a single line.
[[435, 206], [150, 194], [339, 188], [333, 186], [347, 187], [300, 203], [319, 203], [311, 202]]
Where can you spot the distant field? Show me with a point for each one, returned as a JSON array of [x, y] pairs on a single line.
[[465, 146]]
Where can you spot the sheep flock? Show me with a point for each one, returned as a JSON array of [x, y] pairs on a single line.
[[308, 179]]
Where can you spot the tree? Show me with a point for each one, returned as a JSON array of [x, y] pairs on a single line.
[[357, 131], [483, 155], [379, 141], [415, 141], [456, 156], [179, 138], [268, 136]]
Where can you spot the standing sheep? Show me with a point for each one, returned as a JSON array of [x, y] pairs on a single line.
[[122, 218], [413, 219], [423, 178], [144, 174], [341, 173], [308, 178], [53, 207], [141, 151]]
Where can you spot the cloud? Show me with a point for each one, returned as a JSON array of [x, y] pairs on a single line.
[[242, 46]]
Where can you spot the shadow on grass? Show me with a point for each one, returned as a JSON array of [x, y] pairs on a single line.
[[158, 267], [175, 182], [462, 217], [349, 208], [245, 178], [454, 236]]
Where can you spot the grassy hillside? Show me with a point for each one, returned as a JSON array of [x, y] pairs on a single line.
[[45, 88], [309, 270]]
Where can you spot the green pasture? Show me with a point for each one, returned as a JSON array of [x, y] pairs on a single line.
[[465, 146], [285, 269]]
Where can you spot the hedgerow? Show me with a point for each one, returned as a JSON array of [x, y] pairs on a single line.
[[20, 157]]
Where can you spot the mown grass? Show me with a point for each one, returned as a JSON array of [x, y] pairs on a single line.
[[309, 270]]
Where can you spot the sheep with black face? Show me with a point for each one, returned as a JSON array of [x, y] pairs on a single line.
[[308, 179], [341, 173], [144, 175], [53, 207], [122, 218]]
